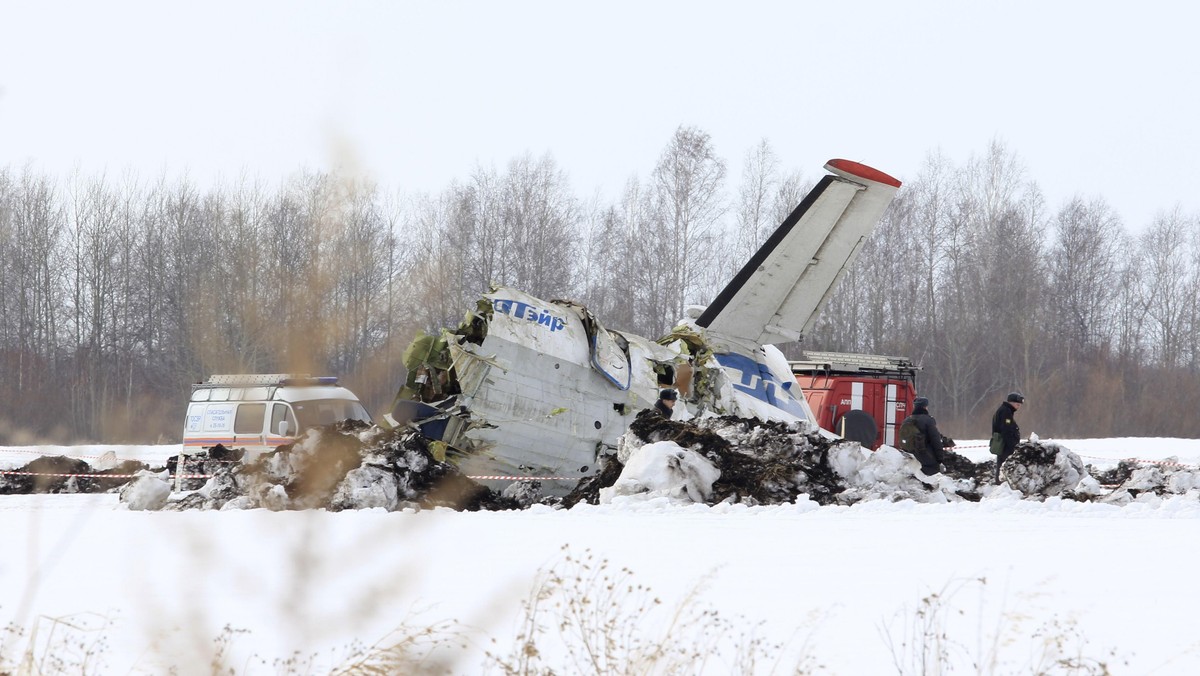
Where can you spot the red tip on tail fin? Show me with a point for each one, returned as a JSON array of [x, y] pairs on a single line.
[[862, 171]]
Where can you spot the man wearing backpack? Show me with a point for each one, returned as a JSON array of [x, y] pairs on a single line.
[[919, 435]]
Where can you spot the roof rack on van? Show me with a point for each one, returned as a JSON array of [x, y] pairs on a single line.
[[265, 379], [846, 362]]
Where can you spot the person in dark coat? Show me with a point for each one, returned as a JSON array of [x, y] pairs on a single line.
[[666, 403], [933, 454], [1006, 434]]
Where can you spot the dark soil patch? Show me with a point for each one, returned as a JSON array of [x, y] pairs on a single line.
[[1115, 476], [432, 483], [1035, 454], [102, 481], [651, 427], [588, 489], [189, 501], [960, 467], [778, 475], [42, 476], [197, 467]]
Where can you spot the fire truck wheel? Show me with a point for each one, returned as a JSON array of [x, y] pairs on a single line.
[[858, 426]]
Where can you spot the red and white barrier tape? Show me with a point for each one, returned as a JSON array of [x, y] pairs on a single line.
[[1167, 463], [522, 478], [98, 476]]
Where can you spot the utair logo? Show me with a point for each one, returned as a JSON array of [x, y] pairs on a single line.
[[757, 381], [528, 312]]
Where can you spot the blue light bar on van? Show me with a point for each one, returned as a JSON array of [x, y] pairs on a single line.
[[319, 380]]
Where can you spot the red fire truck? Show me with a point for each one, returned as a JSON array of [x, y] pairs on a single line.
[[862, 397]]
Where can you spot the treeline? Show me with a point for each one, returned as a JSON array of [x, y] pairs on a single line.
[[117, 292], [973, 275]]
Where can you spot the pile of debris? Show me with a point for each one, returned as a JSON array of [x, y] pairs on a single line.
[[710, 460], [1131, 481], [772, 463], [1046, 470], [759, 462], [348, 465]]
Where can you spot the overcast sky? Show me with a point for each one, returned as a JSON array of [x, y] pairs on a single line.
[[1097, 98]]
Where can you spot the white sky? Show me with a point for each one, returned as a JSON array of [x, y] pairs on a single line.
[[1098, 98]]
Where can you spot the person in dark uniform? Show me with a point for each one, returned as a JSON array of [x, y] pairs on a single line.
[[666, 403], [1006, 434], [933, 453]]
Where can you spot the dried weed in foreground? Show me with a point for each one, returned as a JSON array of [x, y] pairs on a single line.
[[922, 641], [584, 616], [69, 644], [409, 649]]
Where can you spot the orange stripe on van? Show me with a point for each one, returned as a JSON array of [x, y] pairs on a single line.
[[230, 441]]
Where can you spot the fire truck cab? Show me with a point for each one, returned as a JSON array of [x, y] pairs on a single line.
[[859, 396]]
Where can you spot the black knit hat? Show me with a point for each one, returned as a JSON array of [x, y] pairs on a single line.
[[920, 401], [667, 394], [1016, 398]]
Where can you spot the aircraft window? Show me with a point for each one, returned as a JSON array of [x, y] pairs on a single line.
[[318, 412], [249, 419]]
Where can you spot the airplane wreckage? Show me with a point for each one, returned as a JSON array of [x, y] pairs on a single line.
[[528, 389]]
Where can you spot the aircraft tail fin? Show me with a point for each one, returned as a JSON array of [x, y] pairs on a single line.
[[777, 294]]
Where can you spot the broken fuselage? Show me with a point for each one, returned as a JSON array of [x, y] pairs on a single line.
[[533, 389]]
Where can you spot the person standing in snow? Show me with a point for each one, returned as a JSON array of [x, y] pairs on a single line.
[[1006, 434], [666, 403], [930, 446]]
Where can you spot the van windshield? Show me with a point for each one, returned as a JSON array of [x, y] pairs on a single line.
[[318, 412]]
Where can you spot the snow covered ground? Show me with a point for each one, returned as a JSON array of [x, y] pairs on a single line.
[[1019, 584]]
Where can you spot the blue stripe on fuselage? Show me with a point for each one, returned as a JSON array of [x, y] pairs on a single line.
[[757, 381]]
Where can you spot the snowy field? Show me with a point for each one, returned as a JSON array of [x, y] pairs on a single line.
[[1020, 585]]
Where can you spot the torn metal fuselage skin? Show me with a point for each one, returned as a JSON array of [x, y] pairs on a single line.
[[545, 392]]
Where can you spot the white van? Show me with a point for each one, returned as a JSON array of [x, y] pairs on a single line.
[[260, 412]]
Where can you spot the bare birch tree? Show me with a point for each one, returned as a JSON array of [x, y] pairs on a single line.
[[1165, 285], [1085, 269], [541, 223], [756, 219], [687, 185]]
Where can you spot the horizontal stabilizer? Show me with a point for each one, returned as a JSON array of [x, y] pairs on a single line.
[[776, 296]]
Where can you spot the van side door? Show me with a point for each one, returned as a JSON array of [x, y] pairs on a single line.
[[249, 426]]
